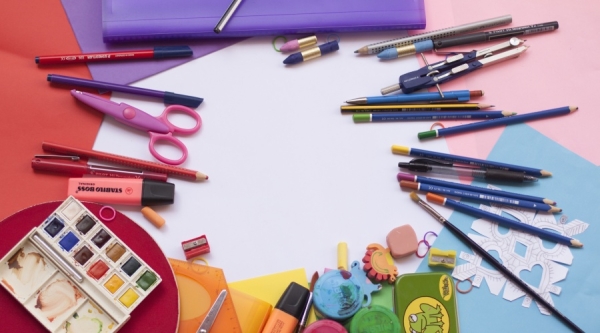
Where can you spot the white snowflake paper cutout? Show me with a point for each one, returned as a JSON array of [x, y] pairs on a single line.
[[490, 238]]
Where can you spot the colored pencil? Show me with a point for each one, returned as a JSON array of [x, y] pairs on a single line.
[[497, 122], [426, 180], [414, 107], [479, 196], [497, 264], [514, 224], [455, 95], [428, 115], [124, 160], [402, 150]]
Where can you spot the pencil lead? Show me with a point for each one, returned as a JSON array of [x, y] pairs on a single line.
[[573, 108], [576, 243]]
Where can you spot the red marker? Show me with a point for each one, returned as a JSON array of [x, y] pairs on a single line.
[[156, 53]]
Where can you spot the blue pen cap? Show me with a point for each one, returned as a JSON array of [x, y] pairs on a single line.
[[189, 101], [172, 52], [329, 47], [422, 46]]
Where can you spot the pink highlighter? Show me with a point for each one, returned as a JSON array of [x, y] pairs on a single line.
[[122, 191], [298, 44]]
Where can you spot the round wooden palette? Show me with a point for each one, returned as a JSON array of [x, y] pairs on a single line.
[[158, 313]]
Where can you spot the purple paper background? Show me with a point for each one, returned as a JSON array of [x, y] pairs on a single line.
[[86, 20]]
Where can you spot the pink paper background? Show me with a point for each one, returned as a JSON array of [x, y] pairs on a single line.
[[556, 71]]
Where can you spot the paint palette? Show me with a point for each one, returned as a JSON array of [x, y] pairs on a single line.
[[74, 275]]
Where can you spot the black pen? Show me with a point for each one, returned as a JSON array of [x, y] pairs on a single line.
[[488, 174]]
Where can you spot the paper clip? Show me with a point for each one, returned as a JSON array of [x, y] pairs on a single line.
[[195, 247], [442, 258]]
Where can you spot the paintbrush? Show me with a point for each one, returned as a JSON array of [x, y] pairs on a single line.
[[304, 319], [497, 264]]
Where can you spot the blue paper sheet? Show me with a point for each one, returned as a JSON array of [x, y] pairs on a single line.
[[574, 186]]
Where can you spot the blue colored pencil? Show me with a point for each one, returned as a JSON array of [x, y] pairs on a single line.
[[479, 189], [479, 196], [402, 150], [497, 122], [428, 115], [514, 224], [455, 95]]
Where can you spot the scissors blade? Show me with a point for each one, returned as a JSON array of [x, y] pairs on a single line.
[[210, 318]]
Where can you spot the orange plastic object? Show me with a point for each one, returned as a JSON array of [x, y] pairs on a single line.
[[199, 286], [153, 217], [402, 241], [379, 264]]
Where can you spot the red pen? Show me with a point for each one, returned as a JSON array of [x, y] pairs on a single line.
[[156, 53], [78, 169]]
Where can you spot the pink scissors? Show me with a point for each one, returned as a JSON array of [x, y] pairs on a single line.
[[160, 128]]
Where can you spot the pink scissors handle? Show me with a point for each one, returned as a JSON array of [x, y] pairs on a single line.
[[154, 138], [174, 129]]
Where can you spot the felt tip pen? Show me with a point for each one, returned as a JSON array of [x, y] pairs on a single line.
[[122, 191], [288, 311], [428, 115], [312, 53], [166, 96], [456, 95], [159, 52], [78, 169]]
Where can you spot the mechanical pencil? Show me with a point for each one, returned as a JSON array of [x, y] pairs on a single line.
[[78, 169], [479, 37], [159, 52], [489, 174], [452, 31]]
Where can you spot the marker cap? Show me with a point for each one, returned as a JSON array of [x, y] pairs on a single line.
[[172, 51], [293, 301], [157, 193], [427, 134], [361, 117], [189, 101]]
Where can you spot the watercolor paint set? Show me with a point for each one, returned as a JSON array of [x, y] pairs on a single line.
[[74, 275]]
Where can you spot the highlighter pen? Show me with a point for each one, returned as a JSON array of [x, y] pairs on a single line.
[[297, 44], [159, 52], [166, 96], [78, 169], [456, 95], [312, 53], [122, 191], [288, 311]]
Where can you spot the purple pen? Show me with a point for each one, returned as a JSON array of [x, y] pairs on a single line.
[[167, 97]]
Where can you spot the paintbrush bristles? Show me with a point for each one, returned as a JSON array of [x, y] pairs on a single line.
[[414, 196]]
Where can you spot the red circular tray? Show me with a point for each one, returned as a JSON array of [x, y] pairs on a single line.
[[159, 312]]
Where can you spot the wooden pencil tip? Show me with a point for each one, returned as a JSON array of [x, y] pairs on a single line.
[[545, 173], [573, 108], [201, 177], [576, 243], [549, 202], [555, 209]]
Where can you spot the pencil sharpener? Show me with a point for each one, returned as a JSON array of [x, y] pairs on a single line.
[[438, 257], [195, 247]]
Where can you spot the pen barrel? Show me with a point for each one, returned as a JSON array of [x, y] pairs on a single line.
[[73, 169], [459, 40], [503, 175], [94, 57]]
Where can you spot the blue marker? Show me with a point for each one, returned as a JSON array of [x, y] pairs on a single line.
[[312, 53], [456, 95], [402, 51]]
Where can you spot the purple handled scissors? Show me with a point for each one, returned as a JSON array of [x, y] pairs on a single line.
[[160, 128]]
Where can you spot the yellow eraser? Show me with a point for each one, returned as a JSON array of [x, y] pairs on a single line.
[[153, 217]]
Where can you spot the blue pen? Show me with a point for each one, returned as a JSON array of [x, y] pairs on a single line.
[[428, 115], [314, 52], [455, 95]]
